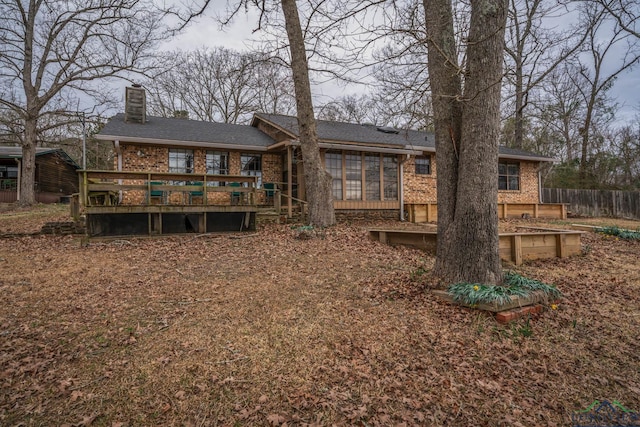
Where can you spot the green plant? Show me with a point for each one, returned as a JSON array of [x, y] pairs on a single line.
[[619, 232], [526, 330], [513, 285], [418, 272]]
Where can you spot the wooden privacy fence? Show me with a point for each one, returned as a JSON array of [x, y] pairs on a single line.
[[514, 247], [619, 204]]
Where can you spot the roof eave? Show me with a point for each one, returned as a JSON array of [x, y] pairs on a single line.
[[527, 158], [198, 144]]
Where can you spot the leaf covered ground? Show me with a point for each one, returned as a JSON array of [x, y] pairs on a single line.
[[269, 329]]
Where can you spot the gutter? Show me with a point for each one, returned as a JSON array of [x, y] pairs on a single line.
[[197, 144]]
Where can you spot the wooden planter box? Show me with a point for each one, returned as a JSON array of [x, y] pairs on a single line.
[[428, 212], [514, 247]]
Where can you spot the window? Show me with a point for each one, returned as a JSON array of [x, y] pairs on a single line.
[[333, 163], [251, 165], [217, 163], [508, 176], [353, 167], [8, 172], [372, 176], [180, 160], [423, 165], [390, 176]]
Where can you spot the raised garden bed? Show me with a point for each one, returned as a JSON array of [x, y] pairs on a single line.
[[514, 247]]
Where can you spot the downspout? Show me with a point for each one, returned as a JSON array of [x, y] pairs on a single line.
[[540, 167], [408, 156], [118, 154], [116, 145], [19, 179]]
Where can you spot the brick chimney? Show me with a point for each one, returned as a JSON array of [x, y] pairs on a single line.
[[135, 110]]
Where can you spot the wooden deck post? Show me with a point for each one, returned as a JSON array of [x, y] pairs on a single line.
[[383, 237], [561, 243], [516, 249], [535, 210], [505, 211]]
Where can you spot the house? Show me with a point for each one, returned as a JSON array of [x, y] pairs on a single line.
[[55, 174], [374, 169]]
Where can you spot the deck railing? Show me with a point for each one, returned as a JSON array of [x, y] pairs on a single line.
[[108, 188]]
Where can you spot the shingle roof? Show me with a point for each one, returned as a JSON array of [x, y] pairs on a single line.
[[180, 130], [370, 134], [12, 152], [350, 132]]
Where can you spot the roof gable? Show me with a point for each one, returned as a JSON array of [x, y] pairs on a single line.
[[341, 132]]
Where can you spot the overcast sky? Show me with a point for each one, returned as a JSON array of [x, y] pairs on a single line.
[[239, 36]]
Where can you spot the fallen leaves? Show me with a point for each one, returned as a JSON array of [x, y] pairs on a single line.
[[273, 330]]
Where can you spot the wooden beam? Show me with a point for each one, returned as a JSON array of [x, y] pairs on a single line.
[[516, 249], [561, 243]]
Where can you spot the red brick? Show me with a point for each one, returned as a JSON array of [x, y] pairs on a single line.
[[510, 315]]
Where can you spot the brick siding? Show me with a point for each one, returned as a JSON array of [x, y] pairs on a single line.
[[422, 188], [156, 159]]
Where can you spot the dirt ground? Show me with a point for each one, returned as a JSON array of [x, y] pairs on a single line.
[[269, 329]]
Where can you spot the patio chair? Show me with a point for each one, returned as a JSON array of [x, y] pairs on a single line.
[[195, 193], [155, 194], [236, 196], [269, 191]]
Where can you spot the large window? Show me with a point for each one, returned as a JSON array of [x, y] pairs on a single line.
[[353, 168], [10, 172], [360, 176], [508, 176], [423, 165], [217, 163], [251, 165], [390, 171], [180, 160], [333, 163], [372, 176]]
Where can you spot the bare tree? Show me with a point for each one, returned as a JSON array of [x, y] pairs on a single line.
[[596, 70], [533, 50], [53, 49], [219, 85], [317, 179], [467, 126]]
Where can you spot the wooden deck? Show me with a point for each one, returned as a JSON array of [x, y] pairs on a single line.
[[153, 203], [514, 247]]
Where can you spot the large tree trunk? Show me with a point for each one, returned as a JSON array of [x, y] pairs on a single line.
[[28, 163], [317, 179], [467, 130]]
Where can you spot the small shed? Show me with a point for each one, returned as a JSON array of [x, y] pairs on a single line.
[[55, 174]]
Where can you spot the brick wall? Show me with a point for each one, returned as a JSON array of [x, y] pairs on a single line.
[[528, 192], [422, 188], [419, 188], [156, 159]]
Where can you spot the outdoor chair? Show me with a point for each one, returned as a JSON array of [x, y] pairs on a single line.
[[157, 194], [269, 191], [195, 193], [236, 196]]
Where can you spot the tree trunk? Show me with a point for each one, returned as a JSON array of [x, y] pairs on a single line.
[[317, 179], [447, 117], [467, 130], [28, 163]]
